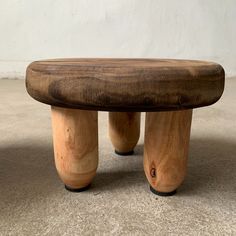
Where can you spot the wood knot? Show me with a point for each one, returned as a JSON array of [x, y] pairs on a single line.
[[153, 172]]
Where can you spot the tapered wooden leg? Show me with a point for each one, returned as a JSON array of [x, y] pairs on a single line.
[[166, 146], [124, 130], [75, 140]]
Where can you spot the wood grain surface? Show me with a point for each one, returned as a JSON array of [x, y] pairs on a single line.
[[125, 84], [166, 147], [124, 130], [75, 140]]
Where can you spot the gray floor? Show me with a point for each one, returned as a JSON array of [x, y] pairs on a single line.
[[33, 201]]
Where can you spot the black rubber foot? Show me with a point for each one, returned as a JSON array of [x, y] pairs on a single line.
[[124, 153], [163, 194], [77, 190]]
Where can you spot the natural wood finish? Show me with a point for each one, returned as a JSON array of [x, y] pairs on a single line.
[[125, 84], [124, 130], [166, 146], [75, 139]]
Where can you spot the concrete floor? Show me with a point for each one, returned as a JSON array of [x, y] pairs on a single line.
[[33, 201]]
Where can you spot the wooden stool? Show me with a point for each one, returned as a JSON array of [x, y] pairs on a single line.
[[167, 90]]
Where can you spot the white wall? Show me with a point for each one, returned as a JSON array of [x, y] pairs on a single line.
[[37, 29]]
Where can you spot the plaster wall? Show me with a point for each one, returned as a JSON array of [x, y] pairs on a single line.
[[196, 29]]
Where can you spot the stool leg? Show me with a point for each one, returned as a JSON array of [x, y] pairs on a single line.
[[166, 146], [75, 141], [124, 130]]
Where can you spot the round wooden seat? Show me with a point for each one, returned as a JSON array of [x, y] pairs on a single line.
[[125, 84]]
